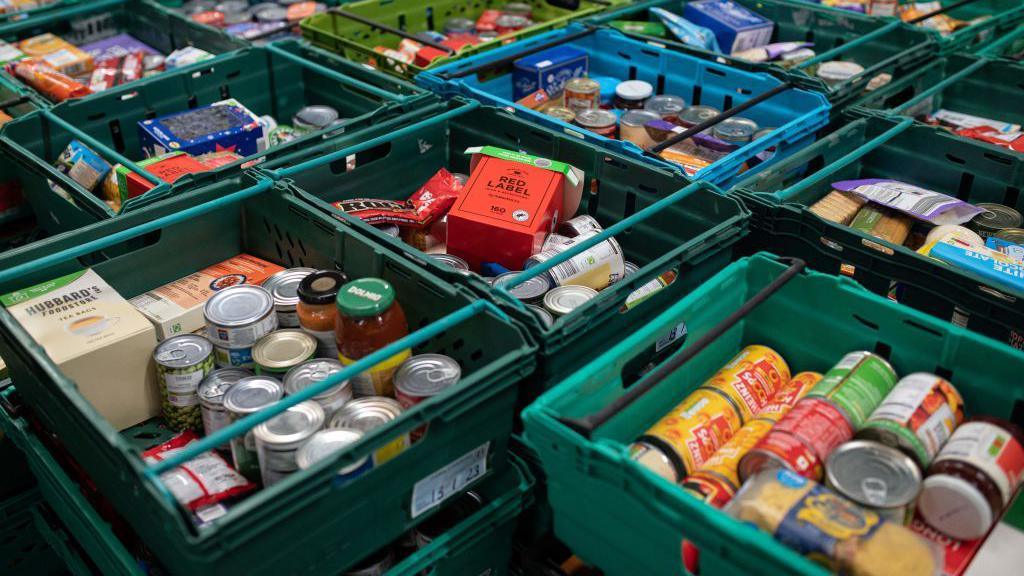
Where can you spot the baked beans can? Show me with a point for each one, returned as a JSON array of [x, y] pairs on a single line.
[[857, 385], [582, 94], [801, 440], [876, 477], [751, 379], [238, 316], [917, 417], [684, 439]]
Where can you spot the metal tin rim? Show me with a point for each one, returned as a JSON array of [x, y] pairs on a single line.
[[304, 351], [214, 382], [296, 379], [628, 117], [873, 449], [213, 310], [595, 118], [283, 286], [233, 399], [182, 358], [381, 409], [532, 290], [276, 431], [554, 304], [319, 446], [408, 378]]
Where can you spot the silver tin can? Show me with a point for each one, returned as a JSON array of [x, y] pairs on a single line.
[[596, 267], [284, 287], [280, 351], [423, 376], [447, 518], [451, 260], [369, 413], [578, 226], [278, 439], [696, 114], [325, 443], [238, 316], [876, 477], [390, 230], [668, 106], [247, 396], [546, 319], [735, 130], [553, 240], [531, 291], [308, 373], [233, 357], [631, 269], [181, 364], [211, 398], [562, 300]]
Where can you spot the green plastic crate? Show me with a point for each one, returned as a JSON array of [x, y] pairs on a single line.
[[902, 150], [626, 520], [270, 532], [1010, 46], [277, 80], [84, 22], [33, 12], [663, 223], [26, 534], [355, 40], [837, 35]]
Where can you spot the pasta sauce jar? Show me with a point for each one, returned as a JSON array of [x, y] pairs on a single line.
[[369, 318], [317, 309]]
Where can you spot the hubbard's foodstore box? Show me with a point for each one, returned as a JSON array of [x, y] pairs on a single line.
[[97, 338]]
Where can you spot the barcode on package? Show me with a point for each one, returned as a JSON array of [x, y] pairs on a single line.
[[431, 491]]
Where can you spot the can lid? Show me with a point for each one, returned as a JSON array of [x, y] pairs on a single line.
[[295, 424], [321, 288], [315, 117], [699, 113], [638, 117], [531, 290], [366, 413], [996, 216], [283, 348], [183, 351], [873, 475], [253, 393], [365, 297], [562, 300], [838, 70], [284, 285], [238, 305], [451, 260], [634, 90], [596, 118], [665, 104], [324, 443], [308, 373], [735, 129], [217, 383], [630, 269], [427, 375], [955, 507], [545, 317]]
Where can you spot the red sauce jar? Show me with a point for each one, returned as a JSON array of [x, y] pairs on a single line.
[[369, 318]]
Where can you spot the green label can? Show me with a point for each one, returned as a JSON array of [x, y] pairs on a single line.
[[857, 385]]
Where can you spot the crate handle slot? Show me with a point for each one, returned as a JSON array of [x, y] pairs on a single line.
[[15, 101], [925, 94], [485, 66], [391, 30], [591, 422]]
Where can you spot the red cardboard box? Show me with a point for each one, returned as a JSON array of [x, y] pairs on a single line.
[[511, 202]]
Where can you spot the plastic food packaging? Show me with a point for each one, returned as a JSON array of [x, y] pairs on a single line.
[[429, 203], [204, 481], [920, 203], [51, 83]]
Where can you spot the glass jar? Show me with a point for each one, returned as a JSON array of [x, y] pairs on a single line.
[[317, 309], [632, 94], [369, 318]]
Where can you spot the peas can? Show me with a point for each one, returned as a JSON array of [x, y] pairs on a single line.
[[857, 385], [181, 364]]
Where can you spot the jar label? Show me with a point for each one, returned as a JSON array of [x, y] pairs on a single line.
[[379, 380], [992, 450]]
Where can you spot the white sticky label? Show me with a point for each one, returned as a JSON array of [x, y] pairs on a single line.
[[674, 334], [431, 491]]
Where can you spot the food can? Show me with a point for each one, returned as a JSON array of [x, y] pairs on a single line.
[[1012, 235], [685, 438], [248, 396], [633, 127], [447, 518], [553, 240], [582, 94], [238, 316], [796, 57], [801, 440], [211, 399], [181, 364], [546, 319], [578, 226], [995, 218], [596, 267], [598, 121], [857, 385], [280, 351], [838, 71], [735, 130], [562, 300], [917, 417], [377, 564], [751, 379], [317, 370], [561, 113], [649, 289], [507, 23], [233, 357], [710, 488], [518, 8], [310, 119], [284, 287], [531, 291], [458, 25], [279, 438], [372, 412], [630, 269], [696, 114], [324, 443], [423, 376], [389, 229], [667, 106], [451, 260], [876, 477]]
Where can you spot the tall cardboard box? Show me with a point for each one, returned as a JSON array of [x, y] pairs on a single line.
[[97, 338]]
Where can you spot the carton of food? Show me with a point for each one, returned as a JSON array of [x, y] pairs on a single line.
[[97, 339]]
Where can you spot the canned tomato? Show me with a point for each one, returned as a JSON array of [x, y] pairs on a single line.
[[801, 440], [247, 396], [279, 438], [238, 316], [687, 436], [181, 364], [598, 121], [857, 385], [325, 443], [596, 267], [372, 412], [308, 373], [211, 398], [917, 417], [280, 351], [284, 287], [750, 379], [876, 477], [582, 94]]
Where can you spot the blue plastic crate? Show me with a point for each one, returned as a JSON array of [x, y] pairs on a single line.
[[794, 113]]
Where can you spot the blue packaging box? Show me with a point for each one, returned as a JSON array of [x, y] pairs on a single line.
[[224, 125], [549, 69], [735, 27]]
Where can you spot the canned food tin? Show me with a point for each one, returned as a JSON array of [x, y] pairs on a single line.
[[389, 229], [598, 121], [376, 565], [838, 71], [562, 300], [238, 316], [507, 23], [308, 373], [633, 127], [518, 8], [247, 396], [1013, 235], [630, 269], [582, 224], [280, 351], [455, 26], [751, 379], [735, 130], [553, 240], [369, 413], [710, 488], [310, 119], [696, 114], [211, 398], [531, 291], [279, 438], [995, 218], [451, 260], [423, 376], [447, 518], [667, 106], [582, 94], [546, 319], [284, 287], [917, 417], [857, 385], [233, 357], [876, 477], [326, 442], [561, 113], [596, 267], [181, 364], [801, 440]]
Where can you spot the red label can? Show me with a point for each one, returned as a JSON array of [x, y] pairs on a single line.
[[488, 21], [801, 440]]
